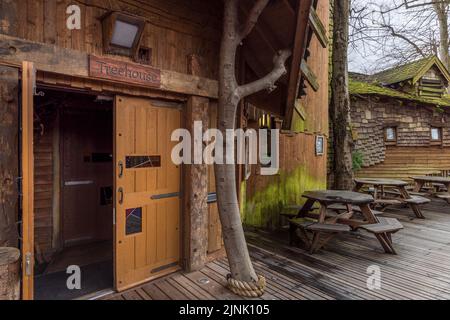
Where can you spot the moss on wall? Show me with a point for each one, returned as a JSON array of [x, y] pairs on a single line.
[[263, 209]]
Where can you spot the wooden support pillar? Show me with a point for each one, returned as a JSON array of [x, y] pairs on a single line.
[[196, 193], [9, 156], [9, 274]]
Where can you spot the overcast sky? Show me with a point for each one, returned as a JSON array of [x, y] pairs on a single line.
[[366, 58]]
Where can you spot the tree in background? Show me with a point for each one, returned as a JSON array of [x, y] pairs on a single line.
[[340, 99], [399, 31]]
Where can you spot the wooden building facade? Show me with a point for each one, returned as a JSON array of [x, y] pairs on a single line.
[[401, 120], [96, 113]]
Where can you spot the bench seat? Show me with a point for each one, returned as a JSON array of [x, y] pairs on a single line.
[[417, 200], [384, 225]]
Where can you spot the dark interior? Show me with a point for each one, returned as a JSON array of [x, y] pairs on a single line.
[[73, 192]]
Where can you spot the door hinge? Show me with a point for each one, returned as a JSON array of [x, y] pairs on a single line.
[[28, 264], [114, 216]]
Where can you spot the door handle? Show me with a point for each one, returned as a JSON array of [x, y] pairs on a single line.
[[120, 169], [120, 191]]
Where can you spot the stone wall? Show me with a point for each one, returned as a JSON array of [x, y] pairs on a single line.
[[370, 115]]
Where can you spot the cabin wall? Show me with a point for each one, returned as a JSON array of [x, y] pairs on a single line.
[[413, 148], [263, 197], [174, 28]]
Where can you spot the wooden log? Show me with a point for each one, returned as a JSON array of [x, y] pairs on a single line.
[[72, 63], [9, 128], [9, 274], [196, 193]]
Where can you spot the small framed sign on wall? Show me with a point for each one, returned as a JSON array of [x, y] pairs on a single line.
[[320, 145]]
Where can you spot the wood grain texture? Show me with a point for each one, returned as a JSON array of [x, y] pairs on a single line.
[[339, 272], [27, 181], [9, 141], [196, 192], [141, 128], [72, 63]]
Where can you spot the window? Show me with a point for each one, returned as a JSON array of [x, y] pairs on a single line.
[[133, 223], [390, 134], [436, 134], [320, 146]]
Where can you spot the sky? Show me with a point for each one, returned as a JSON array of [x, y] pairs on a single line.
[[367, 58]]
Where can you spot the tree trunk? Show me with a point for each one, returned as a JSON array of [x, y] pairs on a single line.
[[230, 95], [9, 129], [441, 10], [9, 274], [340, 101], [233, 233]]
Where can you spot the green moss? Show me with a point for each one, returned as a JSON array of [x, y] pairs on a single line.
[[298, 124], [263, 208], [363, 88]]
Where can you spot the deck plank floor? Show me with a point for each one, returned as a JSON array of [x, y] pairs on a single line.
[[421, 270]]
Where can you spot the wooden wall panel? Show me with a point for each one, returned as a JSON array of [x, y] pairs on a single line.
[[404, 162], [174, 28], [315, 103], [43, 192]]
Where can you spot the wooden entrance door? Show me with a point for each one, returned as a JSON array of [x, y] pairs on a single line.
[[28, 83], [147, 184]]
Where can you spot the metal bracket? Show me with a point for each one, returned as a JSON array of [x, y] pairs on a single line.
[[28, 264]]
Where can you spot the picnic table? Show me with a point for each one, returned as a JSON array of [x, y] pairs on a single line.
[[399, 194], [316, 229], [420, 182]]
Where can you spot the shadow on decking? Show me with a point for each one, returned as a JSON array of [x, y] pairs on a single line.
[[421, 270]]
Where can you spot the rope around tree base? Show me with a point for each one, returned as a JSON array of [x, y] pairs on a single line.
[[247, 289]]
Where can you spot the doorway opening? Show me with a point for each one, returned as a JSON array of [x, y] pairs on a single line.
[[73, 160]]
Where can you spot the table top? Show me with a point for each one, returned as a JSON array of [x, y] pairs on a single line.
[[339, 196], [382, 182], [432, 179]]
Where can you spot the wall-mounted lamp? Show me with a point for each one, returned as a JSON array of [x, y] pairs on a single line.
[[122, 34]]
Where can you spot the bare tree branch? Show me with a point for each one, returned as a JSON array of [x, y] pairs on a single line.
[[253, 17], [268, 81]]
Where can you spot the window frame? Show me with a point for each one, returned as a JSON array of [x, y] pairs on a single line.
[[439, 130], [385, 133]]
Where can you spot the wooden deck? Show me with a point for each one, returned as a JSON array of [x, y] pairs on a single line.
[[421, 270]]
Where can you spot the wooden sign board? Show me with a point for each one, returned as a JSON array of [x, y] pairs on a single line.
[[122, 71]]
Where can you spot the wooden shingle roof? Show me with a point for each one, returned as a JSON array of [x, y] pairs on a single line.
[[412, 71]]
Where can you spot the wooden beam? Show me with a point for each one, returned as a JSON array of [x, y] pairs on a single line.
[[317, 26], [300, 41], [50, 58], [309, 75], [9, 169], [196, 194]]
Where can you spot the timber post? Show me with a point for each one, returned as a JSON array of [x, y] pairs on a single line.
[[9, 274], [196, 192], [9, 129]]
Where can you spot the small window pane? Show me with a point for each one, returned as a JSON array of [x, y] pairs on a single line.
[[391, 134], [435, 134], [133, 221], [134, 162]]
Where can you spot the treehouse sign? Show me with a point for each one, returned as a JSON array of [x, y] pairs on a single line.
[[124, 72]]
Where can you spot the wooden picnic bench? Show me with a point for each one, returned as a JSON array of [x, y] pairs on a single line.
[[399, 194], [314, 230], [437, 183]]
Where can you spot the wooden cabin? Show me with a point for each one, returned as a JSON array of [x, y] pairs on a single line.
[[401, 120], [89, 108]]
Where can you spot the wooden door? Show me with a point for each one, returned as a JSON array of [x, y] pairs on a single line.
[[147, 184], [28, 83]]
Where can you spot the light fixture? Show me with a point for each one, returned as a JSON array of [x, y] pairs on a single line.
[[122, 34]]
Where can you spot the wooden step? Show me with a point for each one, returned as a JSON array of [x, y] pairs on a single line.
[[384, 225]]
